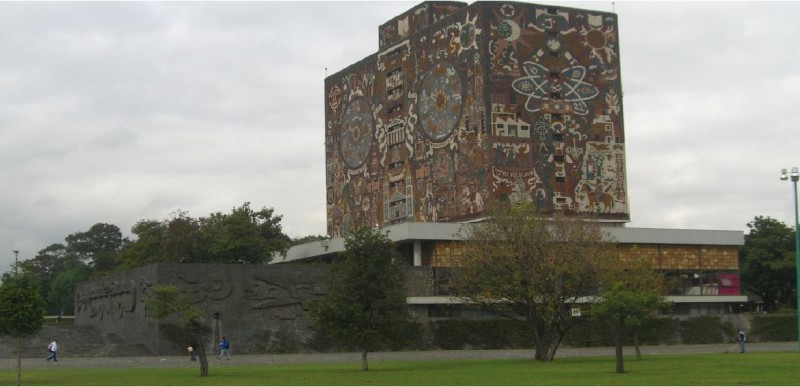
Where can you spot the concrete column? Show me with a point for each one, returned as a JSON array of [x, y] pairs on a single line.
[[417, 253]]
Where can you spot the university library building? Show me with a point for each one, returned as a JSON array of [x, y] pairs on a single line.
[[461, 106]]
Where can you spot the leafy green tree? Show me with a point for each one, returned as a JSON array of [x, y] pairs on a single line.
[[61, 296], [308, 238], [21, 312], [632, 291], [243, 236], [46, 266], [176, 239], [182, 238], [365, 301], [167, 302], [532, 269], [97, 246], [767, 264], [146, 248], [50, 261]]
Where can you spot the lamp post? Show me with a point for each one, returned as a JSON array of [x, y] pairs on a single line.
[[794, 175], [217, 328], [19, 336], [16, 254]]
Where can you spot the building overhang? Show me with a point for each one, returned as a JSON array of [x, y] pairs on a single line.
[[410, 232]]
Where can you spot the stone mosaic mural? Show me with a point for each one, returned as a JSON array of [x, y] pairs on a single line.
[[465, 105]]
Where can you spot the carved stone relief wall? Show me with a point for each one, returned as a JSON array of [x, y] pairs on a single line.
[[253, 302]]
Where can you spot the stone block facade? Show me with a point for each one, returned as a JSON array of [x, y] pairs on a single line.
[[255, 303]]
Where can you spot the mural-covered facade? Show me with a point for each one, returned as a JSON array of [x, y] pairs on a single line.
[[468, 104]]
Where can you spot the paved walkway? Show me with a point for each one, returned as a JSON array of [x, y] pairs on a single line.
[[563, 352]]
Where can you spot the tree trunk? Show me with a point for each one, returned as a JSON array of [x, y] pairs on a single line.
[[618, 355], [545, 345], [539, 353], [539, 347], [364, 365], [19, 359], [201, 348], [636, 344], [618, 346]]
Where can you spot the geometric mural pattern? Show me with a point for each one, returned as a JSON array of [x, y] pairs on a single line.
[[463, 105]]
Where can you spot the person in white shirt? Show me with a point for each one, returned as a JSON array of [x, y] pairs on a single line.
[[53, 348]]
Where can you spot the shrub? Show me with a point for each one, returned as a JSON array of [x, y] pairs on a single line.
[[774, 327], [659, 331], [480, 334], [703, 330]]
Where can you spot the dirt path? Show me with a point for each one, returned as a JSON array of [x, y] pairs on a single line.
[[8, 364]]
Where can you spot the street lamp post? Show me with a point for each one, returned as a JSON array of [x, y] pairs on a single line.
[[19, 336], [16, 254], [794, 175]]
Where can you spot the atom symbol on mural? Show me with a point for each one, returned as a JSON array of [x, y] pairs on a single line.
[[539, 83]]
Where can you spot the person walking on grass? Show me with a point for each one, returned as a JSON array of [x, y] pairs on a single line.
[[53, 348], [224, 345], [742, 340]]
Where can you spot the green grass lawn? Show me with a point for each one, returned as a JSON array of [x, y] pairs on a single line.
[[779, 368]]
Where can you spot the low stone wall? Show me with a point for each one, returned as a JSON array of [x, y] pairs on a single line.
[[73, 341], [257, 305]]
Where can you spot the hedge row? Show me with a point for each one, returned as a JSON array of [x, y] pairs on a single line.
[[497, 334], [508, 334], [774, 327]]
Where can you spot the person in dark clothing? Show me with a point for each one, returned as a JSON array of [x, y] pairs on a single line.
[[742, 340]]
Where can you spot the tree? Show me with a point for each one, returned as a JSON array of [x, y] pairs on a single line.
[[308, 238], [97, 246], [21, 312], [532, 269], [61, 296], [146, 248], [181, 241], [46, 266], [176, 239], [365, 301], [168, 302], [243, 236], [633, 290], [767, 264]]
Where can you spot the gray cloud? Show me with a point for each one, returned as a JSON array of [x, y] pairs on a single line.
[[121, 111]]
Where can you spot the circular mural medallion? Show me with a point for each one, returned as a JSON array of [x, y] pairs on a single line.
[[440, 101], [595, 39], [508, 30], [356, 135]]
